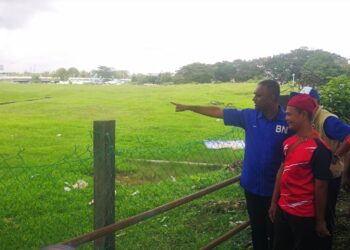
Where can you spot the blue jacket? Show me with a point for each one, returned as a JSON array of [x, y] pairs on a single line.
[[263, 147]]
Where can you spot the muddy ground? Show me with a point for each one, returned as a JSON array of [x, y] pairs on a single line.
[[342, 233]]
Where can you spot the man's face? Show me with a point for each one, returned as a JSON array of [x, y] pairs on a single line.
[[294, 118], [262, 98]]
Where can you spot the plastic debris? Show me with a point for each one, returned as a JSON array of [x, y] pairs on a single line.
[[121, 234], [163, 219], [239, 222], [219, 144], [135, 193], [80, 184]]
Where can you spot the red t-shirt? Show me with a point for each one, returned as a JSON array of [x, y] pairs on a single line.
[[304, 161]]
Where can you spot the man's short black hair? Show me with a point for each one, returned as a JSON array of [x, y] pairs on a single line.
[[273, 88]]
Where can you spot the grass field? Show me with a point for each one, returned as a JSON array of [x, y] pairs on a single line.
[[47, 142]]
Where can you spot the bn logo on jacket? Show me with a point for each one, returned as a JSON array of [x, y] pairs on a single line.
[[281, 129]]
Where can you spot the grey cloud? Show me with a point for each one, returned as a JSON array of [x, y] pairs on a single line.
[[15, 13]]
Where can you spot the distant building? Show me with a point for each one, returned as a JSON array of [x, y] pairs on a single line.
[[94, 80], [125, 80], [7, 77], [27, 79], [20, 79], [118, 81], [48, 79], [81, 80]]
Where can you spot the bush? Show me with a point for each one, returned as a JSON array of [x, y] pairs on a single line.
[[335, 97]]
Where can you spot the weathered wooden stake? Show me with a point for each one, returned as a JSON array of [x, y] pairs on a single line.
[[104, 181]]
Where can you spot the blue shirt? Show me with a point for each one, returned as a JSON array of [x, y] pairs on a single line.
[[263, 147]]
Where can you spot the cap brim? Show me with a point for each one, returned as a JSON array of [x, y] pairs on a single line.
[[293, 94]]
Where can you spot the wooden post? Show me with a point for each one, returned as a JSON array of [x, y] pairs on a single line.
[[104, 181]]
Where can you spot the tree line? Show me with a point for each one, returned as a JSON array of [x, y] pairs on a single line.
[[103, 72], [302, 66]]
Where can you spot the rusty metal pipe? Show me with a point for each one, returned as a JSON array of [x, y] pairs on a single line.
[[226, 236], [146, 215]]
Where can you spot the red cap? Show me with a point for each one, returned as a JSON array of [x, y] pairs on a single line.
[[304, 102]]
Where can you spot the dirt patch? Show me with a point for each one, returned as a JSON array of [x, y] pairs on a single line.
[[223, 206], [236, 165], [28, 100], [130, 179]]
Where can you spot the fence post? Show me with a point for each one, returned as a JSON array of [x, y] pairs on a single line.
[[104, 181]]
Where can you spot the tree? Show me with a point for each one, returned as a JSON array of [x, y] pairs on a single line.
[[73, 72], [195, 72], [335, 97], [282, 67], [246, 70], [138, 78], [36, 78], [224, 71], [320, 67], [165, 77], [142, 78], [104, 72], [62, 74], [121, 74], [84, 73]]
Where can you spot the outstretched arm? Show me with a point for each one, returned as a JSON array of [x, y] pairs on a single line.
[[208, 111]]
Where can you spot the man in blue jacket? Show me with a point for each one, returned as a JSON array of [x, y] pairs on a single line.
[[265, 130]]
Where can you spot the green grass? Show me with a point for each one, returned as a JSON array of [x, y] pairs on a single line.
[[140, 112], [47, 142]]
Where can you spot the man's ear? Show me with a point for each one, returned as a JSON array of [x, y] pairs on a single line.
[[304, 113], [272, 97]]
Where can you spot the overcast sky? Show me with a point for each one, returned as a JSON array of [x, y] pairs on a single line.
[[151, 36]]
